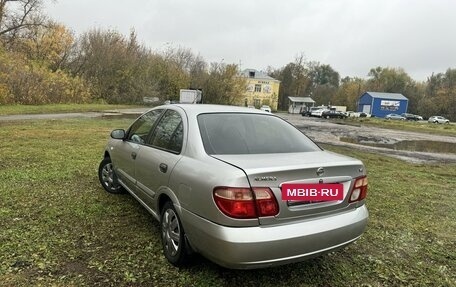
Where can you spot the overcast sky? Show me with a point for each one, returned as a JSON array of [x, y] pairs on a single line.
[[352, 36]]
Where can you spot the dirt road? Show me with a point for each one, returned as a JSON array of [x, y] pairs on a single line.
[[324, 131], [136, 111]]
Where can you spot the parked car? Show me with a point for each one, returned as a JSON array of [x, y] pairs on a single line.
[[212, 176], [318, 112], [308, 112], [361, 115], [266, 108], [412, 117], [438, 120], [333, 114], [394, 117]]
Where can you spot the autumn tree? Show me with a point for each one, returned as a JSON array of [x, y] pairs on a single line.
[[32, 52], [117, 67], [395, 80], [322, 74], [223, 85], [349, 92], [50, 45], [286, 88], [295, 80], [389, 80], [198, 73], [22, 81], [167, 78], [189, 68], [440, 95], [325, 82]]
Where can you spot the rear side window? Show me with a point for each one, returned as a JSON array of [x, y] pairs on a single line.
[[168, 133], [235, 133]]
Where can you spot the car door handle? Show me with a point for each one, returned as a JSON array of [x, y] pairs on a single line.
[[133, 155], [163, 167]]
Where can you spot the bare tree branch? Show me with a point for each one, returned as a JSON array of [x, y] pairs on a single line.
[[16, 15]]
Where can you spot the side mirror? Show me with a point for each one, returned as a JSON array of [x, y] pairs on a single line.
[[118, 134]]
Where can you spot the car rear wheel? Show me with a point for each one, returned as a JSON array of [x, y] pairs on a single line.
[[108, 177], [173, 236]]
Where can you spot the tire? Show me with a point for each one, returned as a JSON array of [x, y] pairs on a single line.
[[173, 236], [108, 177]]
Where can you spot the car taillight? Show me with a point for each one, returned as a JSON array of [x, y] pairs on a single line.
[[359, 190], [243, 203]]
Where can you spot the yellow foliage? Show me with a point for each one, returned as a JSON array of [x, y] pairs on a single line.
[[48, 45], [24, 82]]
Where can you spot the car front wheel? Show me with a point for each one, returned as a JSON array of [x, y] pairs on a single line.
[[108, 177], [173, 236]]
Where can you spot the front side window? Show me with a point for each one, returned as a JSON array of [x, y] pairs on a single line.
[[237, 133], [140, 129], [168, 134], [258, 88]]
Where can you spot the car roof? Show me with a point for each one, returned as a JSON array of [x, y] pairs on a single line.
[[196, 109]]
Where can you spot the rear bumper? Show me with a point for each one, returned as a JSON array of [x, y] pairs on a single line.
[[264, 246]]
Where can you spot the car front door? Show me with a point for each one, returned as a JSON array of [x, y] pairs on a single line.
[[125, 152], [156, 160]]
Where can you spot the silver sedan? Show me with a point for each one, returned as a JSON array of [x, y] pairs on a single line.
[[213, 176], [438, 120]]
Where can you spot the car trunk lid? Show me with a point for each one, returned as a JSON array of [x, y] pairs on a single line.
[[273, 170]]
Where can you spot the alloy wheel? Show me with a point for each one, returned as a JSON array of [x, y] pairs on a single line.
[[107, 176], [171, 232]]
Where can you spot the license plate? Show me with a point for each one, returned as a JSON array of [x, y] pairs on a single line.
[[313, 192]]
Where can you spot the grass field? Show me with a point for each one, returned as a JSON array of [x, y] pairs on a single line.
[[59, 228], [59, 108]]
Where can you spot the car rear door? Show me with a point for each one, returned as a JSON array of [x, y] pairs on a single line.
[[156, 161]]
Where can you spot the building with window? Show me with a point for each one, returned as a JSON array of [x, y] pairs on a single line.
[[261, 89]]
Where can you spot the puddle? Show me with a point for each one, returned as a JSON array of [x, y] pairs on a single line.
[[408, 145]]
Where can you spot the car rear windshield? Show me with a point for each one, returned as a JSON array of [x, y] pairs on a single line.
[[237, 133]]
